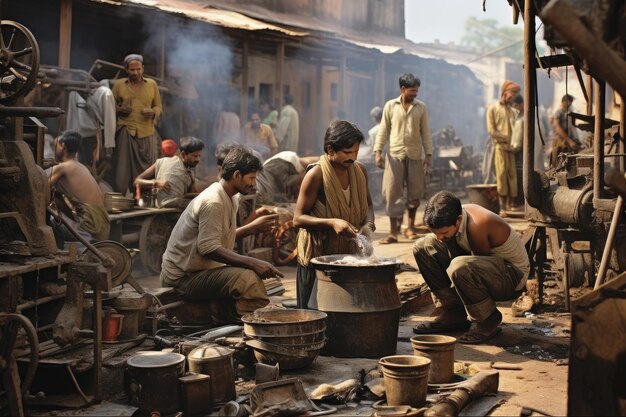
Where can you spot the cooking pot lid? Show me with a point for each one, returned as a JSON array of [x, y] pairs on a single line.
[[210, 351], [155, 359]]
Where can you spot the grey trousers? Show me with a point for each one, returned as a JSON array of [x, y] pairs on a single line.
[[457, 278]]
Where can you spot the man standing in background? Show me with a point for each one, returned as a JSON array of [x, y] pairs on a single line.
[[500, 121], [288, 130], [404, 126], [138, 107]]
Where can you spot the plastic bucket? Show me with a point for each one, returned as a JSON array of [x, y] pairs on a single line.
[[406, 379], [440, 350]]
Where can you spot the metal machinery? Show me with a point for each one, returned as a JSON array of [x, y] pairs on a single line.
[[41, 288], [572, 205], [454, 165]]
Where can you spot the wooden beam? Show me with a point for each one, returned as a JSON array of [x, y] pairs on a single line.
[[604, 62], [65, 33], [280, 63], [598, 142], [243, 105]]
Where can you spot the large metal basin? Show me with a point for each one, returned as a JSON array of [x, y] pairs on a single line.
[[362, 303]]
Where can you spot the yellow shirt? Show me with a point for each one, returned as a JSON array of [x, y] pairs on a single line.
[[145, 97], [500, 119], [262, 137], [406, 131]]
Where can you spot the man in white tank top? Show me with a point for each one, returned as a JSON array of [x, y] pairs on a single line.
[[471, 260]]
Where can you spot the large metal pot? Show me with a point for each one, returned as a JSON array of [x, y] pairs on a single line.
[[362, 303], [154, 381]]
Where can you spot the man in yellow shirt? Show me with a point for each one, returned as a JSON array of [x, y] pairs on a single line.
[[260, 136], [500, 121], [138, 106], [404, 127]]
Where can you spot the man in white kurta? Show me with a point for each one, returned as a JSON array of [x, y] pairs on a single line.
[[288, 130]]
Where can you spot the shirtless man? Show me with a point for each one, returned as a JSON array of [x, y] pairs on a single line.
[[472, 259], [73, 180]]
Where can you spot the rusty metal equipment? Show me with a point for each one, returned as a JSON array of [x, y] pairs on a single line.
[[41, 288], [454, 165], [569, 206]]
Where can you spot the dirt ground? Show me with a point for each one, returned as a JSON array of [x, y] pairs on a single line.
[[537, 342]]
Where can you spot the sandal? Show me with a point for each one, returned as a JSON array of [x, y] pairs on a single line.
[[388, 239], [410, 234], [438, 326], [474, 337]]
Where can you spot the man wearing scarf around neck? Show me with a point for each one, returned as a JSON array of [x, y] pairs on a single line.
[[333, 205]]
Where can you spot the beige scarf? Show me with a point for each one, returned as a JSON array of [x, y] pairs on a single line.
[[325, 242]]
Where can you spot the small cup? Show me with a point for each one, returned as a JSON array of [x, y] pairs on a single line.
[[112, 327]]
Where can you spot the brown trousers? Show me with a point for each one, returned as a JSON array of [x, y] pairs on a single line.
[[457, 278]]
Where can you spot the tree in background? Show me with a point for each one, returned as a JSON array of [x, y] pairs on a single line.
[[489, 38]]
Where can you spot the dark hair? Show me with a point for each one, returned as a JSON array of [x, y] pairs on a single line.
[[288, 98], [340, 135], [71, 140], [442, 210], [518, 99], [222, 150], [241, 159], [189, 144], [409, 80], [568, 97]]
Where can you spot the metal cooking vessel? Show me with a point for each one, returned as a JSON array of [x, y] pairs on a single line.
[[362, 303]]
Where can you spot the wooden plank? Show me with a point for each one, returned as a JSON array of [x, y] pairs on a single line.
[[65, 33]]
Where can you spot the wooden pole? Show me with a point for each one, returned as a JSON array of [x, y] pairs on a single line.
[[598, 141], [280, 63], [65, 33], [243, 106]]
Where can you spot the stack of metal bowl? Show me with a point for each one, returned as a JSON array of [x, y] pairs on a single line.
[[292, 338]]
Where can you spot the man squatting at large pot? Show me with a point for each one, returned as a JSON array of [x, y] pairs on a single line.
[[472, 259]]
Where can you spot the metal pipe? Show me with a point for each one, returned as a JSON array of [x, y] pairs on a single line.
[[608, 246], [531, 193], [31, 111]]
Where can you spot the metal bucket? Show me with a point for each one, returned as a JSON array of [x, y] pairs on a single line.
[[154, 381], [362, 303], [406, 379], [485, 195], [440, 350], [217, 362]]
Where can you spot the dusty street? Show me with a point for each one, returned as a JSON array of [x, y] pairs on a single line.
[[540, 384]]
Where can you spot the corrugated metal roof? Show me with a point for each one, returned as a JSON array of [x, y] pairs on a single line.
[[219, 17], [257, 18]]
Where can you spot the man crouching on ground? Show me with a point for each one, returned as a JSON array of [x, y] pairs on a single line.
[[200, 261], [472, 259]]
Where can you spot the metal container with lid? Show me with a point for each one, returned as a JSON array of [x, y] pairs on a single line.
[[195, 393], [361, 299], [217, 362], [152, 374]]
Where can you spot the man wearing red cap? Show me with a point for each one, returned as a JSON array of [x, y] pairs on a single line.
[[500, 120]]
